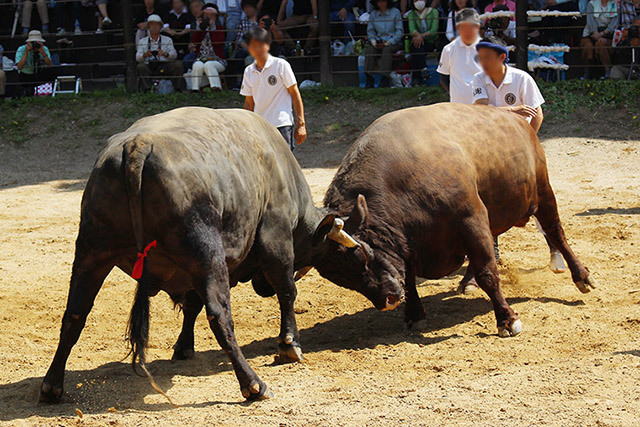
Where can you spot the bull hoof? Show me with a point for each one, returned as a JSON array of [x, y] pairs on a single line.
[[556, 263], [289, 353], [510, 331], [50, 394], [416, 325], [183, 354], [586, 285], [257, 391], [468, 288]]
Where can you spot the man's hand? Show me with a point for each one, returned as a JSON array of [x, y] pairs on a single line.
[[301, 133], [163, 53], [524, 111], [42, 51], [342, 14], [418, 40], [147, 54]]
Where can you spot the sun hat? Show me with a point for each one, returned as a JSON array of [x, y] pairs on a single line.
[[154, 18], [35, 36]]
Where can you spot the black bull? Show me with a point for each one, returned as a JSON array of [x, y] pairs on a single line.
[[224, 199]]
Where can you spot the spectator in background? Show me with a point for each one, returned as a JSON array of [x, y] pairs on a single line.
[[178, 26], [629, 12], [103, 15], [249, 21], [33, 60], [384, 31], [269, 87], [597, 37], [279, 44], [195, 8], [342, 11], [269, 7], [27, 8], [456, 6], [232, 11], [156, 57], [500, 27], [142, 16], [209, 41], [62, 9], [423, 28], [305, 12], [459, 59], [511, 5]]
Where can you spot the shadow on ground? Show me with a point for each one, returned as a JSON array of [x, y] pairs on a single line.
[[365, 329]]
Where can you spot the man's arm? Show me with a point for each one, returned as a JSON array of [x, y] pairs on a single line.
[[282, 13], [314, 8], [44, 51], [301, 129], [444, 81], [23, 58], [536, 121], [249, 104]]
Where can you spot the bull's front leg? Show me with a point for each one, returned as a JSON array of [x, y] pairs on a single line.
[[414, 314]]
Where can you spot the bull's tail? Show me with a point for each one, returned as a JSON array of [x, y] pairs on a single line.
[[135, 153]]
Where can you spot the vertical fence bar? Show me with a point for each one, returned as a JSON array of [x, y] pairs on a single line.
[[129, 46], [522, 29], [324, 38]]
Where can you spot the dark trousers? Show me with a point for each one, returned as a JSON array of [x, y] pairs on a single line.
[[173, 70], [382, 57], [287, 134], [27, 82], [419, 60]]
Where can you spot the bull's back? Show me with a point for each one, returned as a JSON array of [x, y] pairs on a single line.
[[230, 161], [436, 156]]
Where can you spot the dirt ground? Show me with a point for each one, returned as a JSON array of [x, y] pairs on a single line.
[[576, 363]]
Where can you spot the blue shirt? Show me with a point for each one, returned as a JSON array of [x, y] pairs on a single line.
[[385, 27], [29, 66]]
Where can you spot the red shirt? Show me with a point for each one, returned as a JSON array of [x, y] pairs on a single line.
[[217, 40], [509, 3]]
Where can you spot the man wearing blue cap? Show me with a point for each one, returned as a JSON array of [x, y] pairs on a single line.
[[506, 87]]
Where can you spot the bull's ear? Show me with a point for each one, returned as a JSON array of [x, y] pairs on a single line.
[[360, 213], [325, 226]]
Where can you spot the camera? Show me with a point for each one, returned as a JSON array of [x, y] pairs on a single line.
[[204, 24], [155, 53], [267, 23], [494, 23], [36, 45]]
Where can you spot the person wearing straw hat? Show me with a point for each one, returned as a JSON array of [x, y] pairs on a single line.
[[33, 59], [156, 57]]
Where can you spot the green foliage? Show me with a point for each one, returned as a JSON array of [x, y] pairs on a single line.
[[562, 100]]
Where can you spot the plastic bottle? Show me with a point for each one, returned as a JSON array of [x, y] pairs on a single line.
[[298, 48]]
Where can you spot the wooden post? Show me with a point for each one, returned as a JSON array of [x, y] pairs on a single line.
[[129, 47], [324, 37], [522, 29]]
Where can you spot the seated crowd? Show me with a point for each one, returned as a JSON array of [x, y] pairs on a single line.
[[196, 43]]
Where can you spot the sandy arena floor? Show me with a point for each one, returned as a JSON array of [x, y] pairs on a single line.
[[577, 362]]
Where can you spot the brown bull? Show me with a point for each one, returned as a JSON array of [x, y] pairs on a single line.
[[425, 187]]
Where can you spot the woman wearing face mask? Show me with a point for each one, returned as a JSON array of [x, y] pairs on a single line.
[[423, 27], [456, 5]]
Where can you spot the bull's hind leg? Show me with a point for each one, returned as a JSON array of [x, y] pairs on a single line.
[[192, 306], [201, 253], [547, 215], [478, 242], [89, 271]]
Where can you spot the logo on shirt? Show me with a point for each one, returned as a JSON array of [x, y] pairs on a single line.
[[477, 91], [510, 98], [272, 80]]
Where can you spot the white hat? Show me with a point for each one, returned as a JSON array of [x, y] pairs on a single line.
[[35, 36], [154, 18]]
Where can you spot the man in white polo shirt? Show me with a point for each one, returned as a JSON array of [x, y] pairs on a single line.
[[270, 87], [506, 87], [459, 59]]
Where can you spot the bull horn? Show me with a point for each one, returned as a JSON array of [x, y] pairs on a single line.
[[301, 273], [339, 235]]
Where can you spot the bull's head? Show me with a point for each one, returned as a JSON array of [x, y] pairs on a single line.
[[351, 260]]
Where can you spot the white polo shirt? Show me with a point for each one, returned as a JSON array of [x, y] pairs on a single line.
[[460, 62], [517, 88], [268, 88]]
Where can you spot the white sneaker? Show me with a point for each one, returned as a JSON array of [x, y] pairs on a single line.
[[99, 31], [106, 21]]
